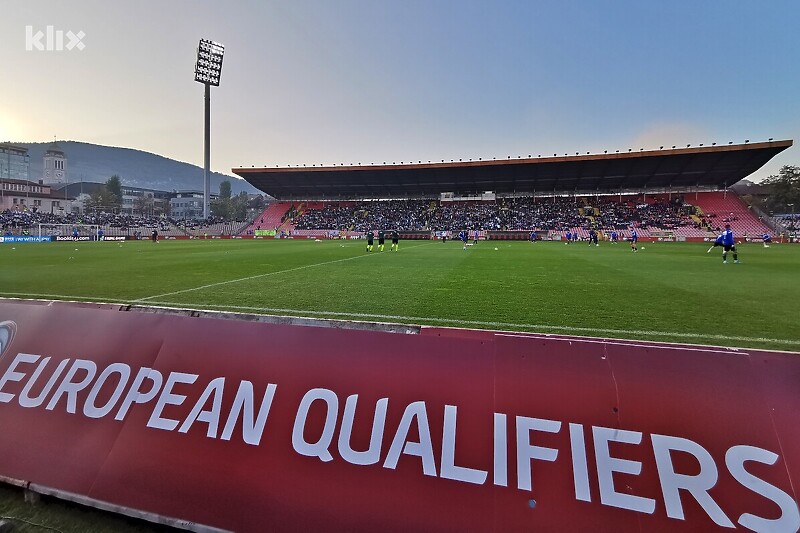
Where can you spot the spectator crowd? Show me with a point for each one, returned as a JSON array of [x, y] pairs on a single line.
[[507, 214]]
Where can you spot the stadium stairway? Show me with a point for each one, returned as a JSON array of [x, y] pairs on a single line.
[[270, 218], [720, 209]]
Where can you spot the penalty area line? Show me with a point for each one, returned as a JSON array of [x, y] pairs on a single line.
[[477, 323]]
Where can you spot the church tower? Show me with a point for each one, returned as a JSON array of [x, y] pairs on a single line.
[[55, 166]]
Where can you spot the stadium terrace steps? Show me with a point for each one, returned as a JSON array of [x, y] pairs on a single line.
[[270, 218], [721, 209]]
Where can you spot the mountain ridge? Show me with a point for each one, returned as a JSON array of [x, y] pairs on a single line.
[[88, 162]]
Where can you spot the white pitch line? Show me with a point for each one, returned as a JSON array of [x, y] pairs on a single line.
[[257, 276], [247, 278], [508, 325], [479, 323]]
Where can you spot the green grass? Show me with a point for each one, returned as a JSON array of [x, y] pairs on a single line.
[[51, 514], [672, 292]]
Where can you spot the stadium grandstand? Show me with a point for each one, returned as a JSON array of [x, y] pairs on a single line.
[[27, 222], [677, 193]]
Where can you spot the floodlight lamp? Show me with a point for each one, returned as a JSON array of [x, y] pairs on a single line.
[[208, 67]]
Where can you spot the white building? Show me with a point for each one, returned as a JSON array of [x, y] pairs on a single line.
[[188, 205], [24, 195], [55, 166]]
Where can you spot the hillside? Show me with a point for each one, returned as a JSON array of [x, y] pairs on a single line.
[[96, 163]]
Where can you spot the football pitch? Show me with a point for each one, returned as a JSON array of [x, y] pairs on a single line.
[[671, 292]]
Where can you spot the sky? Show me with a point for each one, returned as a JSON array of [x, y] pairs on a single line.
[[373, 81]]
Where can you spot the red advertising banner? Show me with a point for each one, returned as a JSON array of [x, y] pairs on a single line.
[[252, 426]]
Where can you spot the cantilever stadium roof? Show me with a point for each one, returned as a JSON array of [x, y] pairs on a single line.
[[682, 168]]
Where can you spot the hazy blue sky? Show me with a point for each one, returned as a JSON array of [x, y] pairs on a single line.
[[310, 82]]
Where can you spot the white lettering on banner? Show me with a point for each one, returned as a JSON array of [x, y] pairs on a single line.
[[607, 466], [373, 454], [81, 387], [319, 448], [135, 394], [449, 469], [243, 404], [215, 388], [526, 452], [89, 408], [24, 397], [789, 520], [580, 467], [422, 449], [11, 375], [697, 485], [500, 450], [72, 388], [169, 398]]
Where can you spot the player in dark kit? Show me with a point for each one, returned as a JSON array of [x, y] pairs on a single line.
[[370, 240], [729, 245], [381, 238], [154, 236], [593, 238], [395, 240], [717, 242], [463, 236]]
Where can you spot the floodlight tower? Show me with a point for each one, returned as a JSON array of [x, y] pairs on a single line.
[[207, 71]]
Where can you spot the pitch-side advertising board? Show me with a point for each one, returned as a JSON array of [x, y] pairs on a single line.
[[252, 426]]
